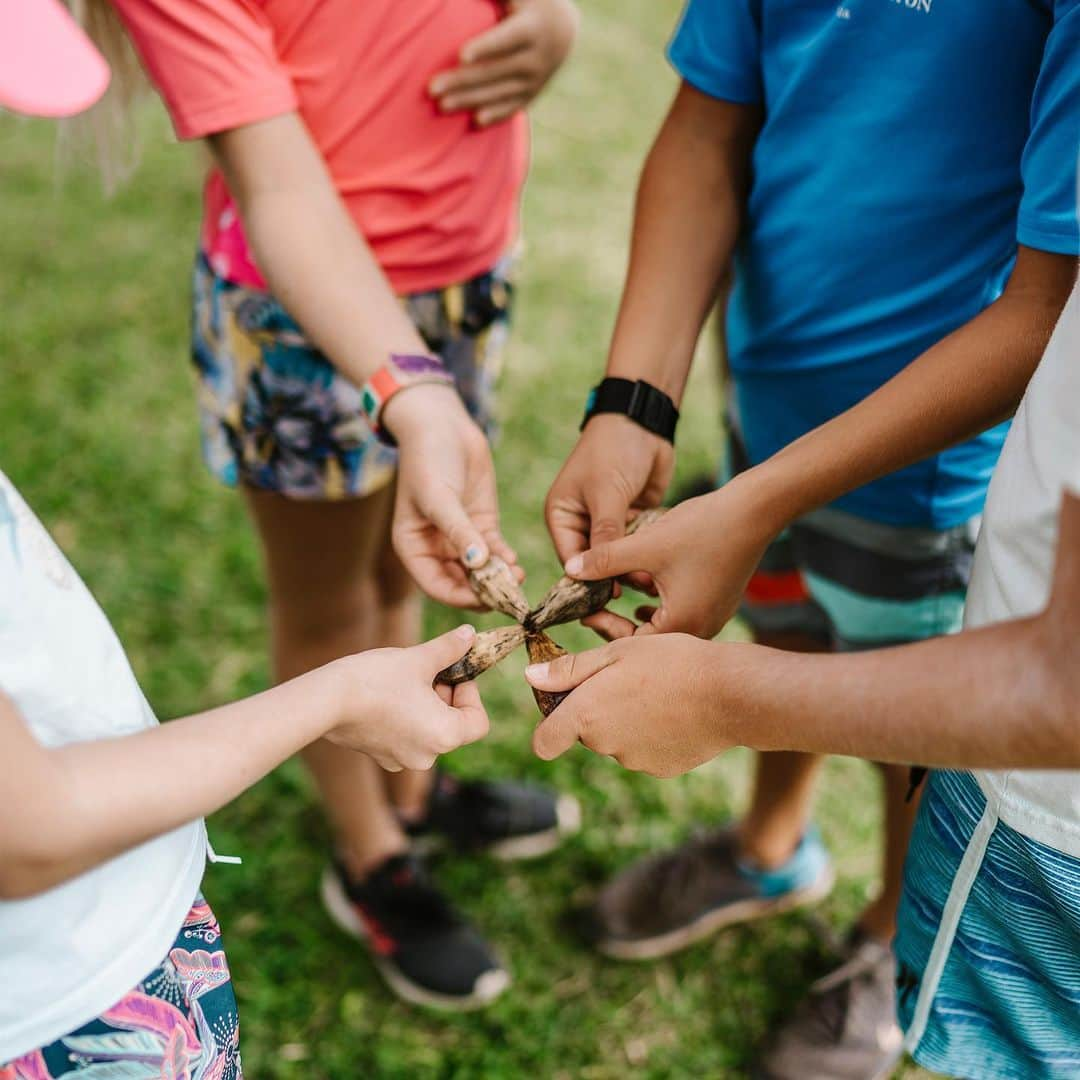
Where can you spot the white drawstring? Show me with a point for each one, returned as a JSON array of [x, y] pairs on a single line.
[[214, 857]]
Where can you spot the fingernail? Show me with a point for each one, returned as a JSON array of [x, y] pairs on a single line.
[[436, 86], [574, 565], [466, 631], [473, 555], [537, 671]]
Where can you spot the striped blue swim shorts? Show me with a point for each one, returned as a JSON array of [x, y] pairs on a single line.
[[988, 946]]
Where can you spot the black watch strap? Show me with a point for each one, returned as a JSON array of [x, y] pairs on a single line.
[[639, 400]]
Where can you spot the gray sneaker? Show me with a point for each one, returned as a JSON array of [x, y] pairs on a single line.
[[845, 1028], [666, 902]]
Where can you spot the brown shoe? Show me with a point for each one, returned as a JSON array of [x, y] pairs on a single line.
[[666, 902], [845, 1028]]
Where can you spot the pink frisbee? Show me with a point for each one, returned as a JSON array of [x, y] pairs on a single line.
[[48, 66]]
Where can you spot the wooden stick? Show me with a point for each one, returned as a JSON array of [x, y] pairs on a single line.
[[487, 650], [541, 650], [496, 587], [569, 599]]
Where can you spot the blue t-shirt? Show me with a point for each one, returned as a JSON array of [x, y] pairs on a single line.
[[907, 146]]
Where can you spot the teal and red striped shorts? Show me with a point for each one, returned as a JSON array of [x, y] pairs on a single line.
[[857, 584]]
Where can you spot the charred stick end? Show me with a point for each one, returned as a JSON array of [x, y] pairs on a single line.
[[569, 599], [548, 701], [487, 650], [541, 650], [496, 587]]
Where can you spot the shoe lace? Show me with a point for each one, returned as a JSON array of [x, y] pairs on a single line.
[[466, 810], [412, 896], [830, 996], [679, 877]]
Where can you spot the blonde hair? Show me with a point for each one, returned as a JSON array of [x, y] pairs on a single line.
[[108, 129]]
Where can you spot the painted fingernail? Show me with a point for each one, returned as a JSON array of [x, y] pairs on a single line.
[[473, 555], [537, 671], [574, 565]]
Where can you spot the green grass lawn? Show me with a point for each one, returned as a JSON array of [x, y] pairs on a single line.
[[97, 427]]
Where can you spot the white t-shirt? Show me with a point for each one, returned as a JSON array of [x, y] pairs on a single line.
[[1014, 561], [69, 953]]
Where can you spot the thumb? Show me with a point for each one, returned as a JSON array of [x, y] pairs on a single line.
[[447, 514], [612, 559], [470, 709], [441, 652], [570, 670], [555, 734]]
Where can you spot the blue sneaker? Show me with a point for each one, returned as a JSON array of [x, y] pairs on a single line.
[[666, 902]]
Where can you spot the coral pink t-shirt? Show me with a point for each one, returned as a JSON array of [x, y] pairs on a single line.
[[435, 197]]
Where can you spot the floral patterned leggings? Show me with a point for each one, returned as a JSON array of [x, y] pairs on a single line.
[[179, 1023]]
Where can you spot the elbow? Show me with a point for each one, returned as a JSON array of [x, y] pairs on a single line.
[[1069, 715], [27, 870], [19, 879]]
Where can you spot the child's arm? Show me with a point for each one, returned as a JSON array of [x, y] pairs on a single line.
[[690, 206], [702, 553], [73, 807], [1007, 696], [299, 229], [503, 69]]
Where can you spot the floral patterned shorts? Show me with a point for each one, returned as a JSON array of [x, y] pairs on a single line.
[[276, 413], [180, 1022]]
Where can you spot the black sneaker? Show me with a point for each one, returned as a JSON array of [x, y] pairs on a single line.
[[427, 953], [504, 819]]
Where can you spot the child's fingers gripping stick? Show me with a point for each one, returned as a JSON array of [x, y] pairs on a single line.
[[625, 555], [473, 717], [442, 651], [558, 731], [543, 650], [569, 670], [487, 649]]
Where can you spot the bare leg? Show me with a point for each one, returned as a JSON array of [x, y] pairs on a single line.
[[408, 789], [783, 795], [782, 802], [335, 591], [879, 919]]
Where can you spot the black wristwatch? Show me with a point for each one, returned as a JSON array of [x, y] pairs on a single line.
[[639, 400]]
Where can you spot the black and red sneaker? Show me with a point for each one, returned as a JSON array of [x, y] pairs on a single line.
[[502, 818], [427, 953]]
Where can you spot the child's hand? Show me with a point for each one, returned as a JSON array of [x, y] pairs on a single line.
[[659, 704], [615, 467], [504, 68], [447, 510], [391, 711], [698, 558]]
